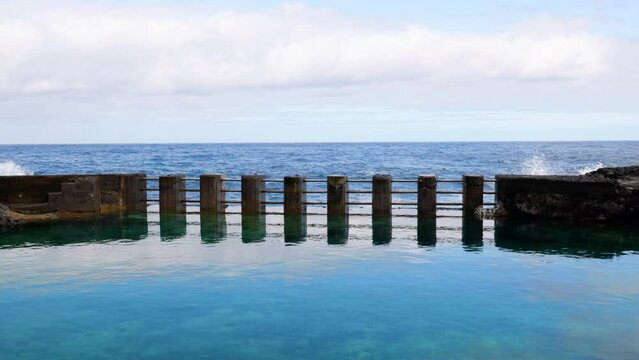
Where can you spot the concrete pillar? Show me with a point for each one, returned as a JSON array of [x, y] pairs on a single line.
[[473, 194], [172, 194], [135, 193], [294, 228], [294, 195], [337, 229], [336, 195], [212, 227], [253, 228], [426, 231], [472, 233], [382, 229], [211, 194], [253, 195], [382, 195], [427, 196]]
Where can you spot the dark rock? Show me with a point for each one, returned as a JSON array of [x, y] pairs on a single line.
[[609, 195]]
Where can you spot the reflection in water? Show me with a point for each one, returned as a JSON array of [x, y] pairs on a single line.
[[294, 229], [337, 230], [253, 228], [213, 227], [382, 230], [172, 226], [472, 233], [426, 231], [131, 227], [562, 239]]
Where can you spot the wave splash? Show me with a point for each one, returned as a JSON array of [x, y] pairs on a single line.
[[538, 165], [11, 168]]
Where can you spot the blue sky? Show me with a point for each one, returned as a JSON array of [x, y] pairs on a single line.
[[236, 71]]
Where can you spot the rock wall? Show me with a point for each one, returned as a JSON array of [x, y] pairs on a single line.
[[610, 194]]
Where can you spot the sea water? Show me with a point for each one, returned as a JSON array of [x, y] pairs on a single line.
[[250, 288]]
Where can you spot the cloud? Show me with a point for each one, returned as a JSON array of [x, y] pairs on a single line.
[[169, 49]]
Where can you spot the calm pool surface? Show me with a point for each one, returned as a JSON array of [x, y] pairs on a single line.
[[231, 289]]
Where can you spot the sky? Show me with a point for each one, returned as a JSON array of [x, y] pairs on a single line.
[[169, 71]]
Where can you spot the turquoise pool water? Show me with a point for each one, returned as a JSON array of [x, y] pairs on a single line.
[[192, 288]]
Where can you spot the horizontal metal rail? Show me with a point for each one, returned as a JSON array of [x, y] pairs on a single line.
[[232, 180], [191, 179], [314, 192], [191, 190], [272, 180], [190, 201], [231, 191], [359, 191], [231, 202], [273, 191], [273, 202], [449, 181], [151, 189], [404, 181], [358, 203], [152, 200], [314, 203], [450, 192], [404, 192], [403, 203], [490, 192], [450, 204]]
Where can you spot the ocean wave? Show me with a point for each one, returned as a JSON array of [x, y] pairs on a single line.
[[590, 168], [539, 165], [11, 168]]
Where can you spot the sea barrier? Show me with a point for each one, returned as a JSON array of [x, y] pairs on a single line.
[[255, 197], [606, 195]]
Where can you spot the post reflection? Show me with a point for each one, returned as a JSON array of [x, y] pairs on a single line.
[[213, 227], [337, 230], [172, 226], [253, 228], [382, 230], [472, 233], [426, 231], [294, 229]]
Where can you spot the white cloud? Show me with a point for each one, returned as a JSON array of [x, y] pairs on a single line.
[[129, 49]]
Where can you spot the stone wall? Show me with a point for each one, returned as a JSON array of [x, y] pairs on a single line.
[[605, 195], [50, 197]]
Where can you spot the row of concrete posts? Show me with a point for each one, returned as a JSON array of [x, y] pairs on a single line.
[[212, 192]]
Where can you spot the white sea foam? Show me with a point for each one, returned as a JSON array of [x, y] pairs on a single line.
[[537, 165], [11, 168], [590, 168]]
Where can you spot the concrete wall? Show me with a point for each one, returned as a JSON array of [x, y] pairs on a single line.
[[73, 194]]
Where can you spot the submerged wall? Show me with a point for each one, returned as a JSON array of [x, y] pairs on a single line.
[[610, 194], [52, 197]]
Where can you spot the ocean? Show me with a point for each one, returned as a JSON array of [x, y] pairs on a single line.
[[147, 287]]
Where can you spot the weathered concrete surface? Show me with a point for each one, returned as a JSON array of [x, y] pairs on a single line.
[[26, 199], [610, 195]]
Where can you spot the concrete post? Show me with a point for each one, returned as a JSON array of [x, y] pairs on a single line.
[[473, 194], [172, 194], [382, 195], [135, 193], [427, 196], [253, 195], [294, 195], [211, 194], [336, 195]]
